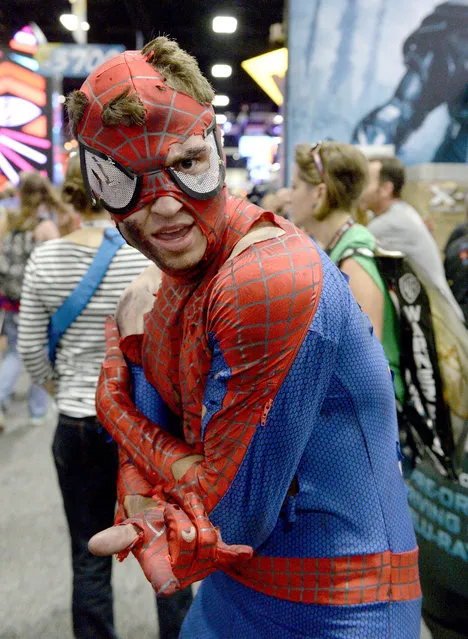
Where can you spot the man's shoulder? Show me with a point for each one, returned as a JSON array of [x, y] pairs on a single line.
[[400, 207], [272, 246], [287, 265], [399, 215]]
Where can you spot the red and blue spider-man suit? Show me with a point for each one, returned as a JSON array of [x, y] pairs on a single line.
[[263, 364]]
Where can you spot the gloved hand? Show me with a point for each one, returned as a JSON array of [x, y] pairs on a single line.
[[174, 546]]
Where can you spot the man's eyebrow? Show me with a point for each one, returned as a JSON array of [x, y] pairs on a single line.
[[189, 154]]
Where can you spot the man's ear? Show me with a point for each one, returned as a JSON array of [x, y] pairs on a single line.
[[387, 189]]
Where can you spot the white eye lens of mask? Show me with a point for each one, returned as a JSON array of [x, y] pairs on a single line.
[[206, 181], [108, 182]]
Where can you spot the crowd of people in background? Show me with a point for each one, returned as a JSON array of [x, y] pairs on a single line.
[[350, 206], [34, 214]]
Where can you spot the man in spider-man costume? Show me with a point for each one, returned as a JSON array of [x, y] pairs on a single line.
[[263, 455]]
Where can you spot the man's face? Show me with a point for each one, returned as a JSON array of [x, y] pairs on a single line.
[[166, 231], [371, 198]]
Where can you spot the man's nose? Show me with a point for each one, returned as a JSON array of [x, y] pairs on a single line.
[[166, 206]]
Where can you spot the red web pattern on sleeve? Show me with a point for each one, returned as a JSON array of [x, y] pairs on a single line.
[[259, 309], [335, 581]]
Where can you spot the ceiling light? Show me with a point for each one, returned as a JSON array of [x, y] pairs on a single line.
[[224, 24], [221, 119], [69, 21], [221, 70], [220, 101]]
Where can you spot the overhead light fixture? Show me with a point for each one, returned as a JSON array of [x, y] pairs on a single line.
[[220, 101], [224, 24], [221, 70], [69, 21]]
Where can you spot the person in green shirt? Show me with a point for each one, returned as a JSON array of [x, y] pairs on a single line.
[[328, 180]]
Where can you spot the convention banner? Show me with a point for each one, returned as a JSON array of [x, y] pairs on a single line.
[[439, 509], [73, 60], [360, 73]]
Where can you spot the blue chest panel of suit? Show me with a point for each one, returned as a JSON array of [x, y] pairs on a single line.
[[351, 498]]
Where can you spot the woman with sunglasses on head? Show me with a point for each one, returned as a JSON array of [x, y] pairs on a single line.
[[328, 179]]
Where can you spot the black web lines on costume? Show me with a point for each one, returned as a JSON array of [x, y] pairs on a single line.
[[141, 163]]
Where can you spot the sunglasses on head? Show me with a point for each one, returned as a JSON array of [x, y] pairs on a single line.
[[315, 155]]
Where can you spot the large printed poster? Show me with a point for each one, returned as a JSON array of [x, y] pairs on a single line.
[[380, 72]]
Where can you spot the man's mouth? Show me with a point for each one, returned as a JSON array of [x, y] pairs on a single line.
[[175, 238], [174, 232]]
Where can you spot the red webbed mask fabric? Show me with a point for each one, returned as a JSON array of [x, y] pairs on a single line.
[[125, 167]]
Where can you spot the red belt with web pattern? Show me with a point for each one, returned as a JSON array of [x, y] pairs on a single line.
[[336, 581]]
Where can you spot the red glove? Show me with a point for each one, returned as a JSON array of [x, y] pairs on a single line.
[[177, 547]]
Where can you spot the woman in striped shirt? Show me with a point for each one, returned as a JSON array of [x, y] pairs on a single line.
[[86, 462]]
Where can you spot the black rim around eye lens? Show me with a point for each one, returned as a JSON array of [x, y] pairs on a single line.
[[183, 182], [136, 180]]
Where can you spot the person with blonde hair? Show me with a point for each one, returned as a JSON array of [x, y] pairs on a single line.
[[39, 199], [23, 229], [328, 180]]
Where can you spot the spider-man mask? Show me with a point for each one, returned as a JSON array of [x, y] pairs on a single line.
[[126, 167]]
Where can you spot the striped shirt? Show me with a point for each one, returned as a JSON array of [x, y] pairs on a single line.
[[53, 271]]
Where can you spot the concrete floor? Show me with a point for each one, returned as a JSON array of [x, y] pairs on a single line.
[[35, 582]]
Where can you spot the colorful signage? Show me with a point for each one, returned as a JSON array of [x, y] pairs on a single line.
[[25, 143], [269, 70]]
